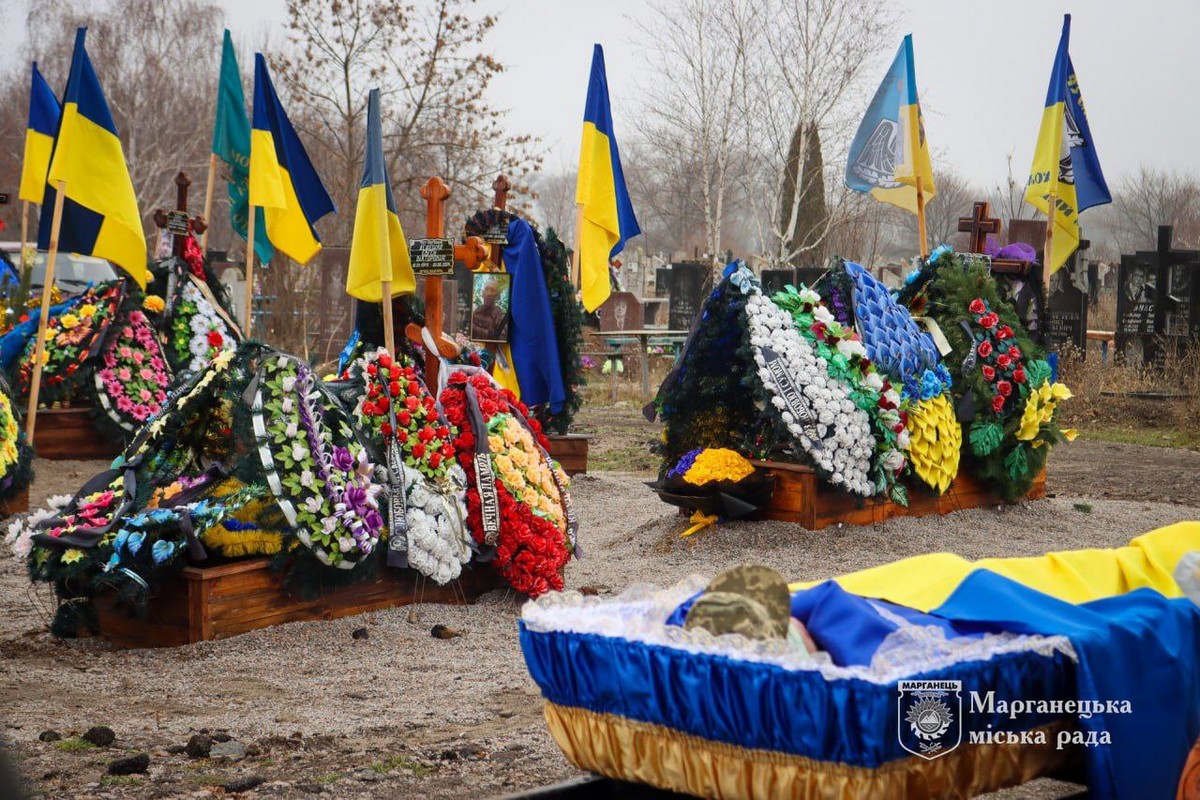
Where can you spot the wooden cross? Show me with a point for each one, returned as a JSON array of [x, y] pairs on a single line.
[[435, 193], [979, 225], [501, 187], [178, 222]]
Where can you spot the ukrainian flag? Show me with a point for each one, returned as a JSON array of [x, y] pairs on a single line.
[[378, 251], [889, 152], [282, 179], [44, 112], [100, 213], [1065, 162], [606, 214]]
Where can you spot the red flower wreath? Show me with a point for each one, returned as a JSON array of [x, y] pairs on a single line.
[[531, 550]]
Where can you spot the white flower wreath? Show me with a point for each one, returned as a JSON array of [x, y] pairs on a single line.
[[437, 532], [205, 319], [838, 433]]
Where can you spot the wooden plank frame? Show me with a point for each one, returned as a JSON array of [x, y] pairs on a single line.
[[205, 603], [800, 496]]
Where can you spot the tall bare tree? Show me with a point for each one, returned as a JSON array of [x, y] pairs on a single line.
[[430, 63], [157, 62], [809, 63], [700, 52]]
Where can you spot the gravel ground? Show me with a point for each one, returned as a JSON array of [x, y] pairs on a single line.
[[402, 714]]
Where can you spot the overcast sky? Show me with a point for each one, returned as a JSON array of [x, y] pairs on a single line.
[[982, 72]]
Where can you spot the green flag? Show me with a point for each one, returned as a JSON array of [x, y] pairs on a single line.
[[231, 143]]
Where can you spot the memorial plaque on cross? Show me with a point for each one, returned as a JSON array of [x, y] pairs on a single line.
[[435, 192], [177, 223]]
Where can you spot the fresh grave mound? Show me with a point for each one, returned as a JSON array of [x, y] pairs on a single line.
[[253, 455], [115, 349], [883, 683], [842, 378]]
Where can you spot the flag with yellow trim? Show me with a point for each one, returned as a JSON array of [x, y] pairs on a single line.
[[283, 180], [44, 112], [378, 251], [100, 213], [606, 216], [889, 151], [1065, 163]]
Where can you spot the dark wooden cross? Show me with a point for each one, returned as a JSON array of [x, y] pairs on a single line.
[[177, 222], [979, 225]]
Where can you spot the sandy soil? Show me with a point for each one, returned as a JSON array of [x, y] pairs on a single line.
[[402, 714]]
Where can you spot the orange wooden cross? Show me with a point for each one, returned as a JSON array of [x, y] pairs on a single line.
[[435, 193]]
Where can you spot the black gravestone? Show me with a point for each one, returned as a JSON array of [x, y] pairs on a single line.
[[1158, 295], [776, 280], [686, 284], [1067, 305], [808, 276], [662, 282]]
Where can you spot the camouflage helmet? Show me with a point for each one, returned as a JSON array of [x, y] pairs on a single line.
[[749, 600]]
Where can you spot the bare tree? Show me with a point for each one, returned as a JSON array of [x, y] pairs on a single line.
[[955, 198], [1008, 197], [155, 82], [700, 50], [428, 60], [813, 53], [1154, 197]]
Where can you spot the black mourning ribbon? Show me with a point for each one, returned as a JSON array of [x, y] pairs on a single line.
[[485, 477]]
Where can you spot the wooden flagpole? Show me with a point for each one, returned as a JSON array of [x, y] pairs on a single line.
[[921, 235], [24, 235], [208, 200], [39, 348], [389, 335], [248, 320], [1051, 210]]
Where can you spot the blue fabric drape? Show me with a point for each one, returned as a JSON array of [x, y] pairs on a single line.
[[12, 344], [533, 339], [1141, 647]]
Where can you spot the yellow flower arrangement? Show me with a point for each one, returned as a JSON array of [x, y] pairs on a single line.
[[154, 304], [9, 432], [1040, 408], [718, 464], [524, 473], [68, 321], [87, 310], [936, 442]]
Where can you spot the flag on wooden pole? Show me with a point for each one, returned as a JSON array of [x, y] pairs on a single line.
[[283, 180], [231, 144], [1065, 178], [889, 156], [100, 214], [606, 219], [378, 251], [44, 113]]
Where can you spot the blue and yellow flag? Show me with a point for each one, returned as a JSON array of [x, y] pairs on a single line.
[[282, 179], [44, 112], [607, 215], [889, 152], [1065, 162], [231, 144], [379, 251], [100, 212]]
